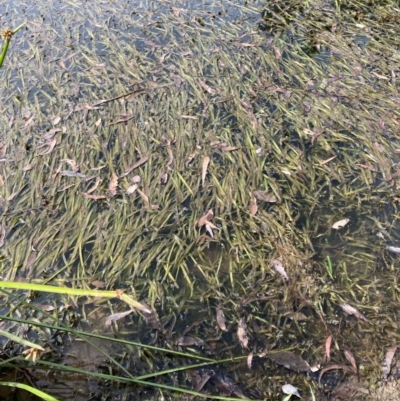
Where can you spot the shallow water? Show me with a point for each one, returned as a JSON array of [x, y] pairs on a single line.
[[295, 99]]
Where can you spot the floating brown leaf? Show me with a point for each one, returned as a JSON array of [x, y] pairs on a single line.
[[290, 360], [253, 206], [264, 196], [241, 333], [98, 284], [123, 119], [207, 88], [340, 224], [3, 150], [144, 197], [278, 266], [221, 319], [350, 357], [93, 197], [136, 165], [190, 159], [116, 316], [50, 147], [188, 341], [206, 218], [206, 161], [2, 235], [249, 360], [227, 385], [94, 187], [28, 167], [352, 311], [387, 363], [112, 186], [328, 343], [130, 190]]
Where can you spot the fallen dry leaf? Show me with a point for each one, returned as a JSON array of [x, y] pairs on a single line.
[[350, 357], [132, 189], [112, 186], [221, 319], [340, 224], [2, 235], [241, 333], [278, 266], [328, 343], [93, 197], [207, 217], [253, 206], [136, 165], [352, 311], [98, 284], [290, 389], [28, 167], [94, 187], [144, 197], [206, 161], [207, 88], [264, 196], [290, 360], [50, 147], [387, 363], [116, 316], [249, 360], [3, 150]]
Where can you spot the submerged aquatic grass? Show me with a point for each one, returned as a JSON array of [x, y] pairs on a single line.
[[108, 122]]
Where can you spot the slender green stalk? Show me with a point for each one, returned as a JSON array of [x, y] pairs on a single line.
[[7, 35], [4, 51], [32, 390]]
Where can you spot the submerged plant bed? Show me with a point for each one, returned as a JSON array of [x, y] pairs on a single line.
[[233, 166]]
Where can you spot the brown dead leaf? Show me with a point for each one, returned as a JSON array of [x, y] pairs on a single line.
[[350, 357], [207, 217], [249, 360], [2, 235], [241, 333], [190, 158], [266, 197], [28, 167], [112, 186], [277, 53], [94, 187], [253, 206], [98, 284], [206, 161], [144, 197], [278, 266], [387, 363], [50, 147], [93, 197], [130, 190], [56, 120], [328, 343], [123, 119], [290, 360], [141, 161], [229, 148], [3, 150], [340, 224], [116, 316], [221, 319], [207, 88], [188, 341], [352, 311]]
